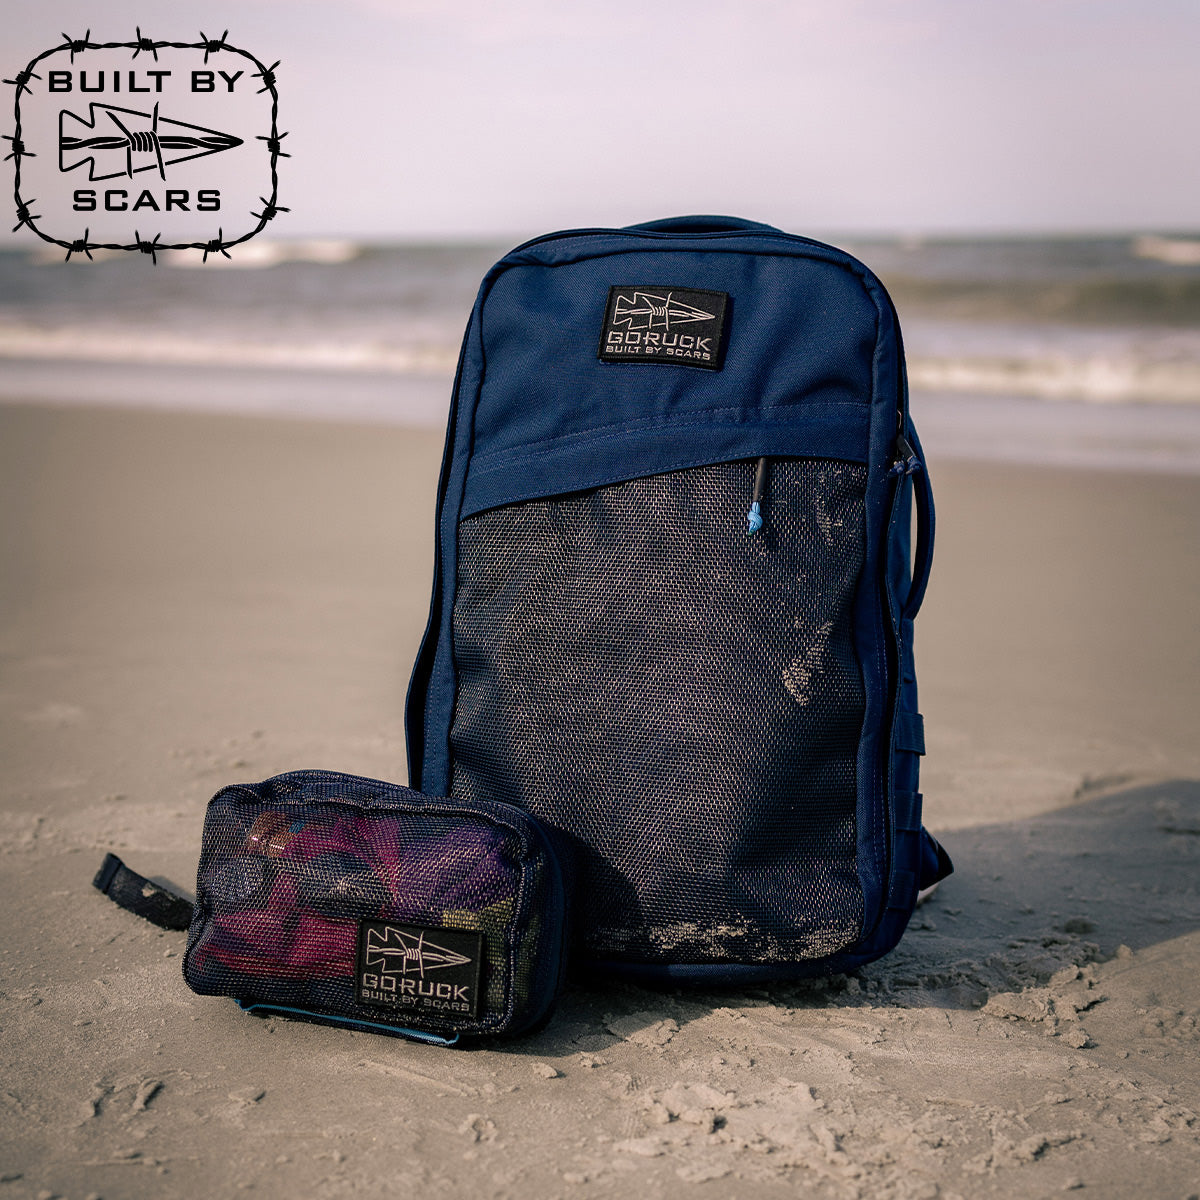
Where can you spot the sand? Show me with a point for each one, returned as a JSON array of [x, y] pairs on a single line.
[[192, 600]]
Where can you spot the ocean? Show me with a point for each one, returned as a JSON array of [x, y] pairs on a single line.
[[1069, 350]]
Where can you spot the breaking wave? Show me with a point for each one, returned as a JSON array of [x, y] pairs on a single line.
[[1100, 380], [1101, 320], [84, 344], [1162, 301]]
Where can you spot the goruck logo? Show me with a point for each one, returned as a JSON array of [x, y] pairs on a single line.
[[422, 969], [146, 145], [684, 326]]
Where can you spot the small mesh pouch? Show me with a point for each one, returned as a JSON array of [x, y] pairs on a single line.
[[351, 901]]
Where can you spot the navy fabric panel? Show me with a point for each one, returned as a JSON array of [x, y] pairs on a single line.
[[908, 671], [906, 808], [910, 732], [906, 738], [835, 430], [541, 329], [904, 886], [873, 633], [436, 661], [906, 768], [416, 702]]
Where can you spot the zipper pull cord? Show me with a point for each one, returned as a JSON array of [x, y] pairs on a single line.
[[754, 521]]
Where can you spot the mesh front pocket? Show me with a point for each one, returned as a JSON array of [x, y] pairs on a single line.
[[682, 699]]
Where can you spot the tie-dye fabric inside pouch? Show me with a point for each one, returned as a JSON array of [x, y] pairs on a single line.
[[352, 901]]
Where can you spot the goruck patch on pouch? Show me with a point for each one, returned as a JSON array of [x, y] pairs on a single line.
[[418, 968]]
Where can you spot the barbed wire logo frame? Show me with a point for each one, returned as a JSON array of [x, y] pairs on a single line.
[[271, 207]]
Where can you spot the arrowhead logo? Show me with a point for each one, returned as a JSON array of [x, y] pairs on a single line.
[[394, 951], [644, 310], [122, 141]]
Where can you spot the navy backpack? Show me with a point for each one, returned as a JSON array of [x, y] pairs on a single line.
[[674, 594]]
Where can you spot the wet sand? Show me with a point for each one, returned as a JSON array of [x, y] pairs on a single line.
[[187, 601]]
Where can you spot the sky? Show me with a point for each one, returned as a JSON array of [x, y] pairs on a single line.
[[415, 119]]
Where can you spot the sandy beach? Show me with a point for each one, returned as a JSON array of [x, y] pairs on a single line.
[[191, 600]]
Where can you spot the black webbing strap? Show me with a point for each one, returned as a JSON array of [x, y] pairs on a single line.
[[136, 893], [935, 862]]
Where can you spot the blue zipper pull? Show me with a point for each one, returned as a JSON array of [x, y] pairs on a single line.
[[754, 520]]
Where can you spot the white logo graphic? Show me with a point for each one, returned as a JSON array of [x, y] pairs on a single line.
[[399, 953], [647, 311]]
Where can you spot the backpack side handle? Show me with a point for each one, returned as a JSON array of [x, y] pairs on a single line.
[[703, 224], [923, 556]]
